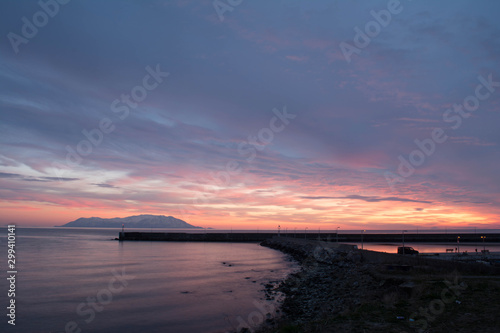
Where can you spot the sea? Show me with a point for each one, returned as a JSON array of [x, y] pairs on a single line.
[[83, 280]]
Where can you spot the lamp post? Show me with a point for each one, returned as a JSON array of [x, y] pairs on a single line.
[[305, 233], [338, 234], [362, 241], [484, 246], [403, 234], [458, 244], [279, 227]]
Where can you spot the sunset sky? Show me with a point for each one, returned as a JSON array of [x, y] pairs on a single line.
[[251, 114]]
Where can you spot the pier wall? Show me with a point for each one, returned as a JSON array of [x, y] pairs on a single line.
[[332, 237]]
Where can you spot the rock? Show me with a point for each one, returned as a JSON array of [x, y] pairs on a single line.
[[354, 257], [409, 284]]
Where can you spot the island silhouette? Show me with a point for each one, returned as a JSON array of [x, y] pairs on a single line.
[[136, 221]]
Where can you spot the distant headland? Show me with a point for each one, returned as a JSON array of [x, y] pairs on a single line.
[[137, 221]]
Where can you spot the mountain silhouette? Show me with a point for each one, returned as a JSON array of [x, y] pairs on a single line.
[[137, 221]]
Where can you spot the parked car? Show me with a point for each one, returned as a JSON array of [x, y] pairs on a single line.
[[406, 250]]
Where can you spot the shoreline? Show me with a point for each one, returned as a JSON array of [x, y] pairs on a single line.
[[343, 289]]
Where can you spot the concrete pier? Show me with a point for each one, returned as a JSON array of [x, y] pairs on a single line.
[[332, 237]]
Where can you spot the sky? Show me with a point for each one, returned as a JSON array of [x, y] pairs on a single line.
[[251, 114]]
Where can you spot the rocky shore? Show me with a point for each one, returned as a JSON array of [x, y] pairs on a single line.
[[343, 289]]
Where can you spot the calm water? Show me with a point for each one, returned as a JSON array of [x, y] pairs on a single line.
[[82, 276]]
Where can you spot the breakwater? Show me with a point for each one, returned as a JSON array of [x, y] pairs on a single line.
[[326, 237]]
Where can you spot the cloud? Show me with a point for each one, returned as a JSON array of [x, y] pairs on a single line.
[[472, 202], [366, 198], [35, 179], [353, 121], [105, 185], [8, 175]]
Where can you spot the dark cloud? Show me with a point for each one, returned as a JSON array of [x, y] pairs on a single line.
[[367, 199], [36, 179], [62, 179], [105, 185], [472, 202], [8, 175]]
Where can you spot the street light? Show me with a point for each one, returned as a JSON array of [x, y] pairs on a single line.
[[338, 234], [362, 242], [279, 227], [403, 233], [484, 246], [458, 244]]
